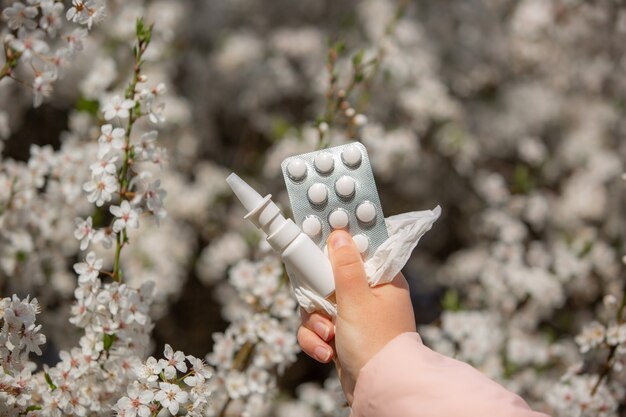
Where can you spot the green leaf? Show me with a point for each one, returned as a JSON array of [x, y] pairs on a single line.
[[21, 256], [280, 127], [339, 46], [357, 59], [108, 340], [33, 408], [586, 249], [522, 180], [451, 301], [90, 106], [100, 217], [139, 26], [149, 33], [49, 381], [400, 12], [144, 33], [510, 368]]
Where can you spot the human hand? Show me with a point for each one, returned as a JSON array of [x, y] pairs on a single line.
[[367, 318]]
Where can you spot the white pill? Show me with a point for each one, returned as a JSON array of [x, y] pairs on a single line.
[[296, 169], [312, 226], [338, 219], [318, 194], [345, 186], [366, 212], [351, 156], [362, 242], [324, 162]]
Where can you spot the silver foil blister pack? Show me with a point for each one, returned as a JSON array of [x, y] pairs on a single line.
[[332, 189]]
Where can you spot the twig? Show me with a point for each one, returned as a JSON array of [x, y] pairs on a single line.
[[363, 73], [144, 35], [608, 365]]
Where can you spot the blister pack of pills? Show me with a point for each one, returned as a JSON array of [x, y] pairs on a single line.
[[332, 189]]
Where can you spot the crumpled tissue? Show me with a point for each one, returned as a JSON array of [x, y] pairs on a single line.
[[405, 231]]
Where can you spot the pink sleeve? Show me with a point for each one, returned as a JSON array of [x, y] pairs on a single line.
[[408, 379]]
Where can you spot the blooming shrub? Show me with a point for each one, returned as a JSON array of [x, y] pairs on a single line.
[[509, 114]]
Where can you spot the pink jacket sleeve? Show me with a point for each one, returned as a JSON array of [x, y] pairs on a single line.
[[407, 379]]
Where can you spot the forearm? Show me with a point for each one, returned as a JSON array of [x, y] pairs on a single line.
[[408, 379]]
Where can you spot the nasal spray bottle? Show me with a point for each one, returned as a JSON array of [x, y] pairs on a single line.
[[302, 257]]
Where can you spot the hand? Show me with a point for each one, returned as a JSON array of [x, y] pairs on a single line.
[[367, 318]]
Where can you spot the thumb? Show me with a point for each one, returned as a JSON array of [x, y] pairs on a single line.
[[350, 280]]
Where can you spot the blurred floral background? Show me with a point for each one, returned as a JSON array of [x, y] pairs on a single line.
[[509, 114]]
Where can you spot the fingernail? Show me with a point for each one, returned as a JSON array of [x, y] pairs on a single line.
[[339, 240], [322, 330], [321, 354]]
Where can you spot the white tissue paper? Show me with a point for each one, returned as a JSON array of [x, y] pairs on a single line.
[[405, 231]]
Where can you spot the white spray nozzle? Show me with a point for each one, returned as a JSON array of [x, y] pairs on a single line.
[[262, 212], [246, 194], [301, 255]]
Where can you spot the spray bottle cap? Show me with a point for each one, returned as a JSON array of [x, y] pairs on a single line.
[[261, 210], [246, 194]]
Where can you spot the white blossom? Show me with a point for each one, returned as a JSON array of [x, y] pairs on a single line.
[[616, 334], [101, 188], [85, 12], [172, 362], [105, 166], [30, 43], [149, 371], [117, 107], [110, 139], [591, 336], [42, 87], [148, 98], [18, 15], [126, 216], [75, 39], [171, 397], [236, 384], [90, 269], [32, 339], [50, 20], [84, 231], [136, 404]]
